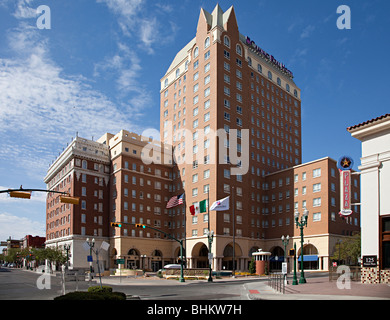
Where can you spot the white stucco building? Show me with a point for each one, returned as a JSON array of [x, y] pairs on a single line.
[[375, 197]]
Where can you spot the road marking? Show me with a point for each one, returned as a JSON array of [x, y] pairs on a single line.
[[254, 292]]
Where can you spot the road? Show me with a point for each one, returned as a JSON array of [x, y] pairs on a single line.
[[16, 284]]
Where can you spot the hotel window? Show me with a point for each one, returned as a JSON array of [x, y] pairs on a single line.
[[226, 66], [196, 64], [226, 90], [207, 92], [259, 68], [226, 54], [226, 41], [238, 49], [207, 55], [207, 104], [195, 192], [317, 187], [196, 52], [166, 83], [279, 81], [207, 68], [207, 80], [316, 202], [269, 75], [207, 43], [317, 216], [226, 116], [226, 78], [239, 62], [317, 173], [177, 73], [287, 88]]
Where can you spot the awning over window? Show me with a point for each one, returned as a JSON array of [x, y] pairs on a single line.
[[312, 257]]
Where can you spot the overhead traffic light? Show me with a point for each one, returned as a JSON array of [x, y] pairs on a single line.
[[71, 200], [20, 194], [138, 225], [116, 224]]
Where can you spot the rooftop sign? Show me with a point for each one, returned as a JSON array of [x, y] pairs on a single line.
[[268, 57]]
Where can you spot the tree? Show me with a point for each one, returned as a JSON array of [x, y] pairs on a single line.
[[348, 249], [252, 266]]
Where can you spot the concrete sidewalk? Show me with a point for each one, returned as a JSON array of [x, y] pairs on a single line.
[[320, 289]]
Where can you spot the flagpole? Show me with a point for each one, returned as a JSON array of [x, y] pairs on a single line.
[[209, 236], [234, 236]]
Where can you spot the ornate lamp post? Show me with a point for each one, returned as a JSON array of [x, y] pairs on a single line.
[[210, 235], [67, 248], [285, 241], [301, 225]]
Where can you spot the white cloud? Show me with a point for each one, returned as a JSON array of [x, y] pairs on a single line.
[[306, 33], [41, 108], [18, 227]]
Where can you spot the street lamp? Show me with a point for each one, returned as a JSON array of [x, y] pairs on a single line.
[[67, 248], [285, 241], [210, 235], [301, 225], [91, 244]]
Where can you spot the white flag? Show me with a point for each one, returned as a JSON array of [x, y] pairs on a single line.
[[220, 205]]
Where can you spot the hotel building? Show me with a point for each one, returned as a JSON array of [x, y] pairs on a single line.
[[222, 80], [231, 116]]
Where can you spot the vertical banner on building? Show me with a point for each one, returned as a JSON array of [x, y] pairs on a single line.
[[345, 164]]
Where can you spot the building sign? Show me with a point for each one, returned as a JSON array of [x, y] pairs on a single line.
[[345, 164], [268, 57], [370, 261]]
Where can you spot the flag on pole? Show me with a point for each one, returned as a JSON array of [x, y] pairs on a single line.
[[175, 201], [220, 205], [194, 209], [198, 207]]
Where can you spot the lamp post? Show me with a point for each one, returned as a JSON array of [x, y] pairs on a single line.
[[210, 235], [301, 225], [67, 248], [285, 241], [295, 281]]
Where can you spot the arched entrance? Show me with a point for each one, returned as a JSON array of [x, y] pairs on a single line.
[[199, 256], [132, 259], [310, 257], [276, 259], [227, 261], [157, 260]]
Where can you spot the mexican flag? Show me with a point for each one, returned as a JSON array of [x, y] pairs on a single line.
[[198, 207]]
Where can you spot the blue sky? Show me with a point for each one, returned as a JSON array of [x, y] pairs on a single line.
[[98, 70]]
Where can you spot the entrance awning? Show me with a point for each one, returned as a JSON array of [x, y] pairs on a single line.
[[277, 258], [308, 257]]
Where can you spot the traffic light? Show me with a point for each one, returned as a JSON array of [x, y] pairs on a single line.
[[71, 200], [138, 225], [291, 252], [20, 194], [116, 224]]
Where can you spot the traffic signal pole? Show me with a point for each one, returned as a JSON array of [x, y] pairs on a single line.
[[143, 226]]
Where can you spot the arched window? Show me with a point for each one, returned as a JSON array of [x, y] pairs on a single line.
[[269, 75], [239, 50], [177, 73], [249, 61], [207, 43], [166, 83], [295, 93], [259, 68], [279, 81], [226, 41], [187, 63], [288, 87], [196, 52]]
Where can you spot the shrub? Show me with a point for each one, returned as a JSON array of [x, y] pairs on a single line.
[[97, 289], [82, 295]]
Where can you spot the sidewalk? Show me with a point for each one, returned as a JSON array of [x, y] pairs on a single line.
[[320, 289]]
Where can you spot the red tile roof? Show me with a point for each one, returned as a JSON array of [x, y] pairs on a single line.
[[369, 121]]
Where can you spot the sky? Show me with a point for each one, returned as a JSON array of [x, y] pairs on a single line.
[[98, 67]]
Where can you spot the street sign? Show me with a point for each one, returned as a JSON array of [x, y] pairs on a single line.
[[284, 267], [120, 261], [89, 258], [370, 261]]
